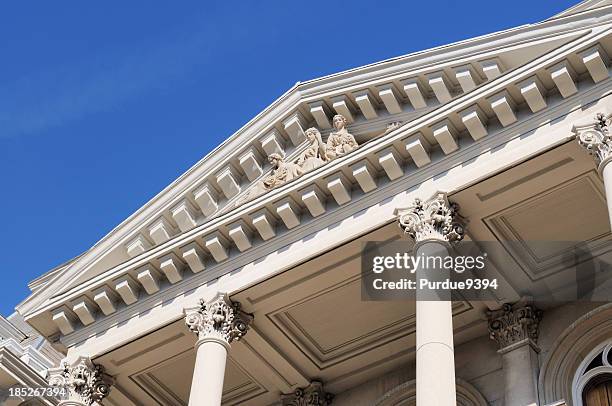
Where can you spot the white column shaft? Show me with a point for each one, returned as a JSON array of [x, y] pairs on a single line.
[[208, 374], [607, 178], [435, 363]]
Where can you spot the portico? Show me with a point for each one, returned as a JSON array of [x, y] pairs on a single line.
[[304, 329], [240, 283]]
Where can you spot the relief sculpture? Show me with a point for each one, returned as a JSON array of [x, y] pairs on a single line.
[[318, 153], [314, 156], [282, 173], [340, 141]]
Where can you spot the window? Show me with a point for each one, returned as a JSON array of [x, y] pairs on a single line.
[[594, 383], [598, 391]]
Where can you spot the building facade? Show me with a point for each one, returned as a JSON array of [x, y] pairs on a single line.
[[240, 283], [25, 359]]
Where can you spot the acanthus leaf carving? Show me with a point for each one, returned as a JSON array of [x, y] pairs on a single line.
[[514, 323], [313, 395], [219, 318], [86, 382], [596, 139], [434, 219]]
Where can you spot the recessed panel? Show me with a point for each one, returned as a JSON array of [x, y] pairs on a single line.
[[342, 321], [571, 213], [170, 382]]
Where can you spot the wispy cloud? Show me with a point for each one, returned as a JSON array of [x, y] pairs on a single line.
[[54, 96]]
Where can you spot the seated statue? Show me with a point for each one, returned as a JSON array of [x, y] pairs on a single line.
[[314, 156], [282, 173], [340, 141]]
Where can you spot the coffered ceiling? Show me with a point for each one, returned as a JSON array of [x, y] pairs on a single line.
[[311, 323]]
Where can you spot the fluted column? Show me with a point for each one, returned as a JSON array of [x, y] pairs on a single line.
[[217, 324], [597, 141], [515, 329], [312, 395], [85, 383], [434, 225]]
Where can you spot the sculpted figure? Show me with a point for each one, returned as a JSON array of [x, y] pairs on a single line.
[[282, 173], [340, 141], [314, 156], [392, 127]]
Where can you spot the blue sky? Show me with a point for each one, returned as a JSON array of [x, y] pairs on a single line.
[[103, 104]]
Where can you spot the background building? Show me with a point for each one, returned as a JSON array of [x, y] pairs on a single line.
[[25, 358]]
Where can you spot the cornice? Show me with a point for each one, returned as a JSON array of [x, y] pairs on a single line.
[[291, 100], [174, 192], [485, 43], [431, 117], [361, 202], [210, 161], [8, 330], [25, 375], [293, 96], [384, 192], [585, 6], [34, 356]]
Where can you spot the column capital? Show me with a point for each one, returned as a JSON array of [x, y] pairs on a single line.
[[312, 395], [595, 138], [218, 319], [434, 219], [514, 324], [86, 382]]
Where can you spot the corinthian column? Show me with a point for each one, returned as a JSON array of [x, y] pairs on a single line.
[[433, 225], [313, 395], [85, 383], [515, 329], [216, 323], [597, 141]]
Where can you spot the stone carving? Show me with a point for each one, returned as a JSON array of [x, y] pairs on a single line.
[[434, 219], [597, 139], [317, 153], [340, 142], [314, 156], [512, 324], [313, 395], [219, 318], [392, 126], [86, 382], [282, 173]]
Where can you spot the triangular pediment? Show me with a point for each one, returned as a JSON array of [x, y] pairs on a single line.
[[464, 85]]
